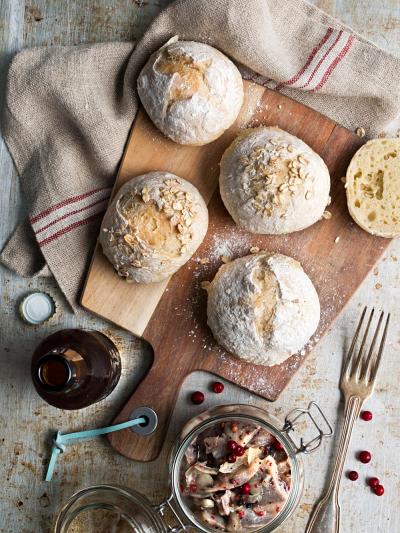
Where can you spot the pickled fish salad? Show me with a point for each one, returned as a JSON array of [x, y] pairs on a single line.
[[235, 477]]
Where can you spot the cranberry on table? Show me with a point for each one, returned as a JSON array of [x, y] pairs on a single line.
[[245, 488], [365, 456], [373, 482], [379, 490], [218, 387], [366, 415], [353, 475], [231, 445], [197, 398]]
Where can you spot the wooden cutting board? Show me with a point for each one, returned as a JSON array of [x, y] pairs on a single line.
[[171, 316]]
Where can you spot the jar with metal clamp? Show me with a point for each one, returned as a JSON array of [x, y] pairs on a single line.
[[233, 468]]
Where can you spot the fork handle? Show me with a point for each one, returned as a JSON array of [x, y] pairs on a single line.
[[326, 516]]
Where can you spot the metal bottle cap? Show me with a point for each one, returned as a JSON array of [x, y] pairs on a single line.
[[37, 307]]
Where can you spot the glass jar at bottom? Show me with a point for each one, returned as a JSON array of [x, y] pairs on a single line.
[[106, 509]]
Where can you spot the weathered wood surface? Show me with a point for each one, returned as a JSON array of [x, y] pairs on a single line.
[[27, 504]]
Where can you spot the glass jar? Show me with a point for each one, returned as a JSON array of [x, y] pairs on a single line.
[[144, 517]]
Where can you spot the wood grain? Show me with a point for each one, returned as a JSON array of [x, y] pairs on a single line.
[[177, 328]]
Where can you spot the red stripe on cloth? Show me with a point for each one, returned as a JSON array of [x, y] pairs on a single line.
[[314, 51], [69, 214], [321, 61], [77, 224], [68, 201], [335, 63]]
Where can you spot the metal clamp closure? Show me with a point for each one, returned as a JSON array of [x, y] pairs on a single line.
[[297, 414], [162, 507]]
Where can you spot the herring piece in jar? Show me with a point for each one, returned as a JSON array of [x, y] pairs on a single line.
[[231, 492]]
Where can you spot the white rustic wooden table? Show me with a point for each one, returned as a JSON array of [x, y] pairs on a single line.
[[27, 504]]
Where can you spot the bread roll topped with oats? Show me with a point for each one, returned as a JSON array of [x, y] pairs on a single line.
[[153, 226], [191, 91], [262, 308], [271, 182], [373, 187]]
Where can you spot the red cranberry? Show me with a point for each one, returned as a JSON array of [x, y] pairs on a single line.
[[365, 457], [231, 458], [197, 397], [231, 445], [379, 490], [218, 387], [353, 475], [193, 487], [373, 482], [239, 450], [260, 513], [181, 487], [278, 446], [241, 514], [366, 415], [245, 488]]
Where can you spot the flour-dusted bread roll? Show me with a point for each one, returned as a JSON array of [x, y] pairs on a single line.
[[153, 226], [262, 308], [272, 182], [191, 91], [373, 187]]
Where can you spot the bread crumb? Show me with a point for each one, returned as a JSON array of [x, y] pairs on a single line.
[[343, 179], [376, 271], [381, 135], [378, 286], [393, 258], [225, 259], [204, 261], [205, 284], [360, 132], [280, 106], [326, 215], [337, 239], [254, 250], [303, 352]]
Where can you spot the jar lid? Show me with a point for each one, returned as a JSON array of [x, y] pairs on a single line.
[[37, 307], [111, 507]]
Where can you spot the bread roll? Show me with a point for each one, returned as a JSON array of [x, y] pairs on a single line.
[[153, 226], [191, 91], [373, 187], [262, 308], [272, 182]]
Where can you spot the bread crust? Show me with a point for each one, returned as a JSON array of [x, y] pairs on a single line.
[[153, 226], [373, 187], [262, 308], [191, 91], [271, 182]]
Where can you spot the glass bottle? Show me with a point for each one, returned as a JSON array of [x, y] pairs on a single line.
[[74, 368]]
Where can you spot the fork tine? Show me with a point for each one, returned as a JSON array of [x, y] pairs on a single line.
[[365, 370], [355, 371], [380, 352], [353, 342]]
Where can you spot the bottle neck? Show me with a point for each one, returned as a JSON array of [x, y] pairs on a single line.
[[55, 373]]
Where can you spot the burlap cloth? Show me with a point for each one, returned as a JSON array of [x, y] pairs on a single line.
[[69, 110]]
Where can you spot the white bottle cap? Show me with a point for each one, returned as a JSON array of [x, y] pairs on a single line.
[[37, 307]]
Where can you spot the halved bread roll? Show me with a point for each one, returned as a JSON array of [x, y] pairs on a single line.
[[373, 187]]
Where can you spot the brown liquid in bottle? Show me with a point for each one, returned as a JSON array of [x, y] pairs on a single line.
[[74, 368]]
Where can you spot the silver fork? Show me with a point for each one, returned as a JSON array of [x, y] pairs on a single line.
[[357, 383]]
